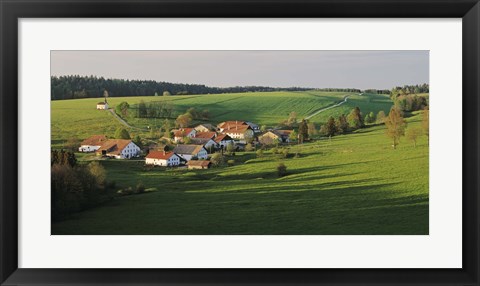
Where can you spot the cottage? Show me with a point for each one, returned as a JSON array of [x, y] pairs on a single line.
[[189, 151], [207, 143], [273, 136], [181, 133], [119, 149], [209, 135], [92, 143], [223, 140], [239, 132], [162, 158], [198, 164], [228, 124], [205, 127], [102, 105], [254, 127]]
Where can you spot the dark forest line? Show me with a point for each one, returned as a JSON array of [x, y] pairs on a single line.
[[72, 87]]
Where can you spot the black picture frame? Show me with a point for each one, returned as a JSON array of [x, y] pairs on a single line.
[[11, 11]]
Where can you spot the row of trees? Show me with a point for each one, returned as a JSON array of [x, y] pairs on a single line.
[[396, 125], [76, 187], [155, 109], [75, 86], [409, 89]]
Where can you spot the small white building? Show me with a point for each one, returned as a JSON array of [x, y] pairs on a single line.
[[223, 140], [102, 105], [187, 152], [92, 143], [119, 149], [162, 158], [181, 133], [208, 144]]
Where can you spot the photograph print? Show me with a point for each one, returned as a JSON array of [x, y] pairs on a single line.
[[240, 142]]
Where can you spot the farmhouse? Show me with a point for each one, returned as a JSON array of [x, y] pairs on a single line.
[[254, 127], [187, 152], [205, 127], [208, 135], [275, 136], [162, 158], [119, 149], [239, 132], [198, 164], [181, 133], [223, 140], [92, 143], [207, 143], [102, 105], [228, 124]]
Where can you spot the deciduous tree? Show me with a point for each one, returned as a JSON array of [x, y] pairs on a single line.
[[395, 126]]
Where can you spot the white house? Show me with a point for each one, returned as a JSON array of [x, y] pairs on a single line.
[[92, 143], [223, 140], [205, 142], [239, 132], [102, 105], [162, 158], [187, 152], [181, 133], [119, 149]]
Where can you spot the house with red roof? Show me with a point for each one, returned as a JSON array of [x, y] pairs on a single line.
[[181, 133], [163, 158], [92, 143], [119, 149], [223, 140]]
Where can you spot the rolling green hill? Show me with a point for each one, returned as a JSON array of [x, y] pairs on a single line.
[[351, 184], [79, 117]]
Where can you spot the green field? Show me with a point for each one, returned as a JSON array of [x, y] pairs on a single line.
[[351, 184], [79, 117]]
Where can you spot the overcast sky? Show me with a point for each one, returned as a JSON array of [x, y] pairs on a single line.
[[317, 69]]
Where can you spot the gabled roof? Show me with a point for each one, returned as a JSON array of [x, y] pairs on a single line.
[[188, 149], [200, 141], [114, 146], [283, 132], [222, 137], [231, 123], [182, 132], [239, 129], [161, 155], [209, 135], [200, 163], [206, 125], [95, 140], [101, 103]]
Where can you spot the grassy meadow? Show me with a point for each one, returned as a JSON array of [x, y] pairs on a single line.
[[78, 117], [351, 184]]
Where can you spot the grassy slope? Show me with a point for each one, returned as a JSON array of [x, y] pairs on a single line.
[[366, 103], [80, 118], [353, 184]]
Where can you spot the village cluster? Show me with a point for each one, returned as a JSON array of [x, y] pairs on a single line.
[[193, 146]]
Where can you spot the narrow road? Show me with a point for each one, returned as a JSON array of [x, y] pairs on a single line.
[[327, 108], [124, 122]]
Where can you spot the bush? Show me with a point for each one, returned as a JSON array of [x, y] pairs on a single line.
[[140, 188], [281, 170], [259, 153], [249, 147], [274, 150], [285, 153], [217, 159], [231, 162]]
